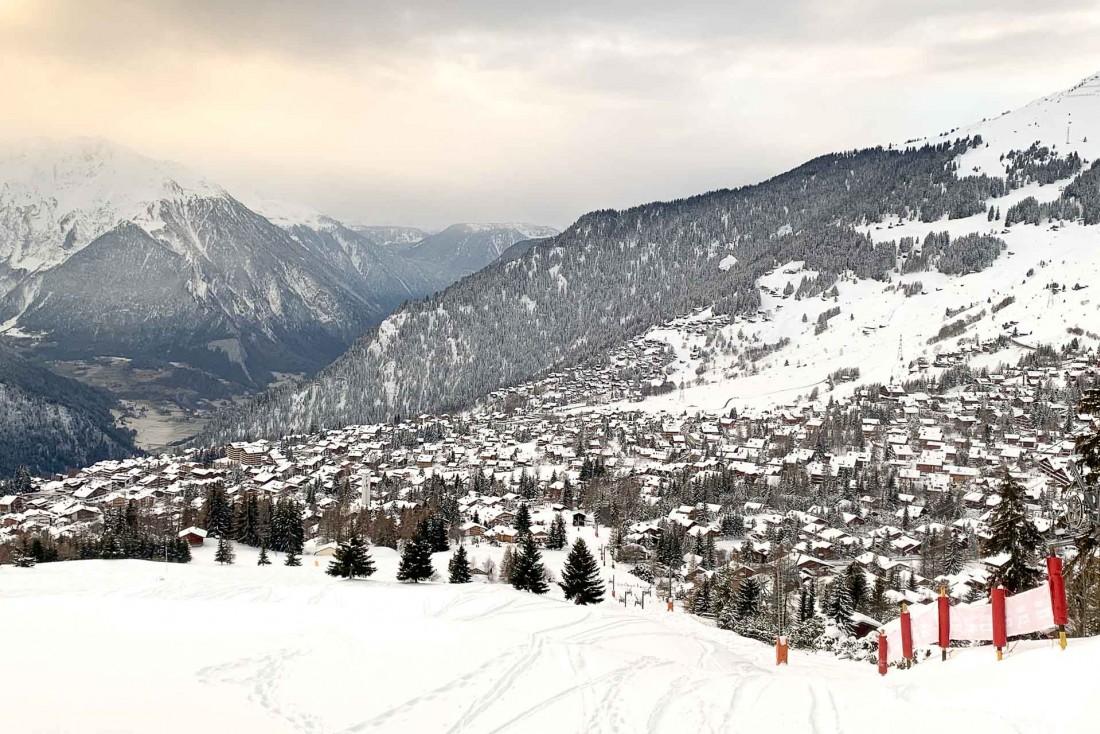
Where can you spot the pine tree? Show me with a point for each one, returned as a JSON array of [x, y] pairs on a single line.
[[263, 560], [708, 552], [953, 561], [523, 520], [840, 607], [351, 559], [21, 482], [295, 528], [225, 553], [557, 538], [1012, 532], [746, 602], [528, 574], [438, 535], [581, 576], [459, 567], [22, 558], [700, 600], [857, 585], [416, 561], [1088, 444], [293, 559]]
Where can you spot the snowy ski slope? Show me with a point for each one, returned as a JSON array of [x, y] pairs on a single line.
[[111, 646]]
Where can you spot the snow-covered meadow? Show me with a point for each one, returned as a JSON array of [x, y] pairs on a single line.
[[132, 646]]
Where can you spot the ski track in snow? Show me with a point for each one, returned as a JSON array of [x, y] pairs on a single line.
[[292, 650]]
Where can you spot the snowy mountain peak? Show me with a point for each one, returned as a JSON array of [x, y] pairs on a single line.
[[57, 196], [1066, 121]]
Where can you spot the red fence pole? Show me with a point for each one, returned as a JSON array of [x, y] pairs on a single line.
[[1058, 597], [882, 652], [944, 608], [781, 650], [1000, 639], [906, 635]]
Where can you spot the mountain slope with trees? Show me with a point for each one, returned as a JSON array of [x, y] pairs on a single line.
[[50, 423]]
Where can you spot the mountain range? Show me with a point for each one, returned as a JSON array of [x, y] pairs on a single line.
[[957, 204], [107, 252]]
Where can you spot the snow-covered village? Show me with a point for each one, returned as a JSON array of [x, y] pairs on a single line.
[[831, 512]]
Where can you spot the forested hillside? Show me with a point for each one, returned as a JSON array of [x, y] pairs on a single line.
[[614, 274], [50, 423]]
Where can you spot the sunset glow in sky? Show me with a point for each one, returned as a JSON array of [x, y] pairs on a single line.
[[431, 112]]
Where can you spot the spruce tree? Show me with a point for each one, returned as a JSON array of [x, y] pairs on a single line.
[[523, 520], [557, 537], [351, 559], [746, 602], [1088, 444], [295, 528], [528, 573], [953, 561], [225, 553], [1013, 533], [293, 559], [840, 607], [21, 558], [581, 576], [857, 585], [459, 567], [263, 560], [416, 561], [438, 535]]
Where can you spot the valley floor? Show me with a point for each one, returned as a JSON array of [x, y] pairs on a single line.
[[109, 646]]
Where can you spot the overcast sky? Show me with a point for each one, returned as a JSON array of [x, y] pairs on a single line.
[[435, 111]]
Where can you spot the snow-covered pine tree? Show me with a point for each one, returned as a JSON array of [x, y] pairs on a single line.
[[295, 528], [263, 560], [21, 558], [708, 552], [416, 562], [557, 537], [700, 599], [458, 569], [581, 576], [225, 553], [438, 535], [293, 558], [523, 520], [529, 573], [856, 581], [840, 608], [953, 561], [746, 602], [351, 559], [1012, 532]]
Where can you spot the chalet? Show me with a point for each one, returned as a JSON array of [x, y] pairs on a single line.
[[194, 536], [11, 503], [472, 530], [328, 549]]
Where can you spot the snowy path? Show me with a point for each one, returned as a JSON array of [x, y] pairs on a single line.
[[124, 646]]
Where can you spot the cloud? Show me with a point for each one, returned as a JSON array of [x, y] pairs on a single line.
[[434, 111]]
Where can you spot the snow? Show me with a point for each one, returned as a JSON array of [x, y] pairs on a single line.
[[80, 188], [1066, 121], [876, 319], [139, 646]]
